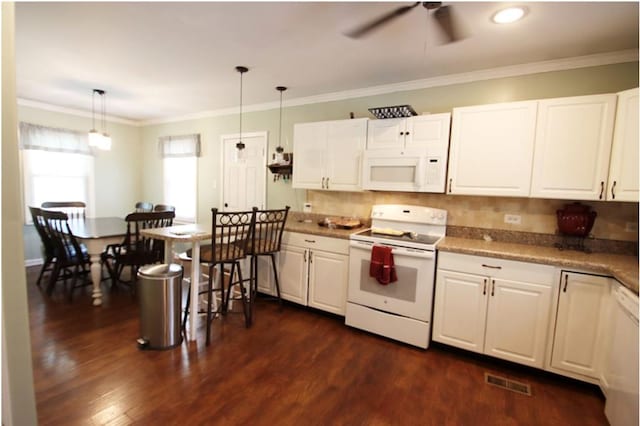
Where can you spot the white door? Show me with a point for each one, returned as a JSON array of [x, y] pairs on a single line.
[[292, 270], [328, 276], [623, 171], [460, 308], [578, 339], [492, 149], [517, 321], [309, 150], [244, 179], [572, 147], [346, 140]]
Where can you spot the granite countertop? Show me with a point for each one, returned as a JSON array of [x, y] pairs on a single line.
[[298, 225], [622, 267]]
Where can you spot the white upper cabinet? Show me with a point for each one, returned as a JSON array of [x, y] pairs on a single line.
[[572, 147], [328, 154], [623, 169], [492, 149], [429, 132]]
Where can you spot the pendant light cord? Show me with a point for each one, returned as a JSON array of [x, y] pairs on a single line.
[[93, 109], [280, 128], [240, 137]]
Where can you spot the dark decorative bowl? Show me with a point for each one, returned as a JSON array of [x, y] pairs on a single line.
[[576, 220]]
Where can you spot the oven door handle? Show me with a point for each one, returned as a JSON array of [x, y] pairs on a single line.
[[397, 251]]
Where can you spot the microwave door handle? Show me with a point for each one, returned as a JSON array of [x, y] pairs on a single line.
[[419, 179]]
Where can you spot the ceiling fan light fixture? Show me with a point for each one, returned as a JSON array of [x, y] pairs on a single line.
[[509, 15]]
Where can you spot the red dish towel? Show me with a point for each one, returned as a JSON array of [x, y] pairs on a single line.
[[382, 267]]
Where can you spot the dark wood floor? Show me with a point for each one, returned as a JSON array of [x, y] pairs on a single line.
[[294, 366]]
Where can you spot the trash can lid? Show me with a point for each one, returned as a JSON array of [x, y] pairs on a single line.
[[161, 271]]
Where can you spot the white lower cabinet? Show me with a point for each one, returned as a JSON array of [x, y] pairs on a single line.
[[580, 334], [314, 271], [493, 306]]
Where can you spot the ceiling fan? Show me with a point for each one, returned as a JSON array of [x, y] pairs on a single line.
[[441, 14]]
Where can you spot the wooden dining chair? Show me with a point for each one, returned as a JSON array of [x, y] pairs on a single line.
[[48, 252], [163, 208], [136, 250], [230, 236], [72, 259], [142, 207], [73, 209]]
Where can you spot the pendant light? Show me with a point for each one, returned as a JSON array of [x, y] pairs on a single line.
[[240, 145], [97, 139], [279, 148]]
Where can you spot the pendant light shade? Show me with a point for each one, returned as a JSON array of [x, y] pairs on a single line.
[[100, 140], [240, 145]]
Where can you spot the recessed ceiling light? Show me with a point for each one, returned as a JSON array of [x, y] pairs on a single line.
[[508, 15]]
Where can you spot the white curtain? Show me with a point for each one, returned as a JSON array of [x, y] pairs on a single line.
[[33, 136], [180, 174], [179, 146], [57, 165]]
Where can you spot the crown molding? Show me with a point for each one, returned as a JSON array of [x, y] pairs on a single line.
[[447, 80], [72, 111]]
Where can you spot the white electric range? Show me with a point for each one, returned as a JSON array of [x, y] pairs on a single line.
[[400, 310]]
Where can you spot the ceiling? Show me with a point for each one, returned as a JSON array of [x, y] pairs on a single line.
[[158, 60]]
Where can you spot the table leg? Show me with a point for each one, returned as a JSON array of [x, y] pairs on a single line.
[[168, 252], [96, 274], [195, 285]]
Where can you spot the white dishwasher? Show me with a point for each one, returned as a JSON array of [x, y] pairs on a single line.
[[621, 407]]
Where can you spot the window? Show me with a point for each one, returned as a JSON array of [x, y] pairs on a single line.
[[180, 174], [57, 165]]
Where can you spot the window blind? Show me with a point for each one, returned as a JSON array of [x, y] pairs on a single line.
[[179, 146], [36, 137]]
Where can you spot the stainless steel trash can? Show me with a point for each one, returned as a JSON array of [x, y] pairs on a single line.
[[160, 295]]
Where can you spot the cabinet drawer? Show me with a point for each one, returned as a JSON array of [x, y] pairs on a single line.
[[317, 242], [497, 268]]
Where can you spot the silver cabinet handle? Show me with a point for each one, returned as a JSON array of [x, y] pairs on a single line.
[[327, 183], [493, 287], [484, 287], [322, 183], [305, 256], [566, 279], [450, 181], [309, 241], [310, 258]]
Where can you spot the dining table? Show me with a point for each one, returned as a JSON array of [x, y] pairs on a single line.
[[190, 233], [96, 233]]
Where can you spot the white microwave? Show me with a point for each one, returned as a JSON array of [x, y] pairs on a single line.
[[408, 170]]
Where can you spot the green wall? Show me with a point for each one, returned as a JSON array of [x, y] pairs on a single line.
[[583, 81]]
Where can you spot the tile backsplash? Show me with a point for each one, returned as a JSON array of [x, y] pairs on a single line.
[[615, 220]]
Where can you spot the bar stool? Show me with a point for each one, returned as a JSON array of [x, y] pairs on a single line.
[[266, 241], [230, 235]]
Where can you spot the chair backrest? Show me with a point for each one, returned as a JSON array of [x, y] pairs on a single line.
[[267, 234], [73, 209], [40, 224], [66, 247], [144, 249], [142, 207], [163, 208], [230, 235]]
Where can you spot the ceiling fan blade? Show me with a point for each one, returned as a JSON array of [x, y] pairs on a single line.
[[445, 19], [364, 29]]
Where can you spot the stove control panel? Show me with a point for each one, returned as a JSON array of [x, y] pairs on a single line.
[[409, 214]]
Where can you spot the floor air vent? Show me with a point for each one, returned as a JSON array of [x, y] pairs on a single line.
[[504, 383]]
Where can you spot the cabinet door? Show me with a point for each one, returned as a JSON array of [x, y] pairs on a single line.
[[578, 336], [293, 273], [309, 148], [517, 321], [266, 282], [385, 134], [328, 278], [492, 149], [623, 170], [346, 140], [572, 147], [430, 132], [459, 312]]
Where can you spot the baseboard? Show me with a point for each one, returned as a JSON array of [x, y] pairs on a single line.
[[33, 262]]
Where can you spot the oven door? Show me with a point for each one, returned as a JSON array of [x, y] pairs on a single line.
[[409, 296]]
